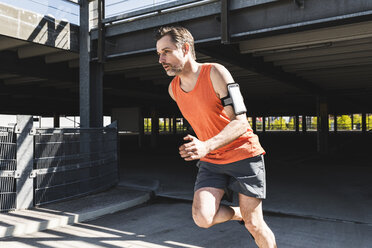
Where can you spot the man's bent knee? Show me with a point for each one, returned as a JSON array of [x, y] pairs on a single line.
[[253, 226], [203, 220]]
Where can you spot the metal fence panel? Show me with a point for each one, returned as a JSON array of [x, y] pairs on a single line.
[[8, 166], [73, 162]]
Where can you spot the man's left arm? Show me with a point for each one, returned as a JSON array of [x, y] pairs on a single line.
[[196, 149]]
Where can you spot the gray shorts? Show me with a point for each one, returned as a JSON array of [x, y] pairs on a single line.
[[246, 176]]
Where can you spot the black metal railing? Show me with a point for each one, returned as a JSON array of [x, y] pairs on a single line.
[[8, 166], [73, 162]]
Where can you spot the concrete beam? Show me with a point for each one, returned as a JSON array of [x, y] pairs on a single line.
[[34, 51], [34, 67], [28, 26], [248, 19], [132, 63], [324, 37], [9, 43], [61, 57], [232, 55], [23, 80]]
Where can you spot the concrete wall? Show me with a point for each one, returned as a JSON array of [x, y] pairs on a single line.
[[128, 119]]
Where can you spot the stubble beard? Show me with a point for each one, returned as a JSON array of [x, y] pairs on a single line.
[[174, 70]]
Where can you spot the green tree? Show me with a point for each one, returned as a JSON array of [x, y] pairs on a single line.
[[369, 122], [291, 124], [279, 124], [344, 122], [314, 123], [357, 121], [147, 124]]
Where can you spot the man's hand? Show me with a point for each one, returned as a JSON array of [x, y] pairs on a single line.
[[195, 149]]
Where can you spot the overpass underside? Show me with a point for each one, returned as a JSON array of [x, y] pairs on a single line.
[[286, 55], [301, 57]]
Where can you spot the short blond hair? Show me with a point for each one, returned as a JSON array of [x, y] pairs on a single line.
[[179, 36]]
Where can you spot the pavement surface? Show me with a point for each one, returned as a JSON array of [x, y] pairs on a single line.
[[166, 223], [21, 222], [310, 203]]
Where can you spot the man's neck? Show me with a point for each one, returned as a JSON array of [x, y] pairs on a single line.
[[190, 71]]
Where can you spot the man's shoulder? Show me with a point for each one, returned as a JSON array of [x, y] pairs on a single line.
[[215, 66]]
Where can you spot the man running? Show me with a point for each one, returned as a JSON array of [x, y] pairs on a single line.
[[229, 153]]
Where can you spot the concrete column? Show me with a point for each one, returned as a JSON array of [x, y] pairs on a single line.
[[91, 76], [323, 127], [84, 64], [154, 128], [335, 123], [364, 122], [174, 124], [56, 122], [141, 129], [297, 123], [254, 123], [96, 95], [25, 155], [304, 124]]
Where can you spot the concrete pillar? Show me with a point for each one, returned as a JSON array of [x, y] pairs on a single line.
[[154, 128], [84, 61], [56, 122], [174, 124], [297, 123], [335, 123], [254, 123], [364, 122], [141, 129], [304, 124], [90, 74], [96, 94], [25, 155], [323, 126]]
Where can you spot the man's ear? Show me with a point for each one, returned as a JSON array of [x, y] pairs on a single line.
[[186, 48]]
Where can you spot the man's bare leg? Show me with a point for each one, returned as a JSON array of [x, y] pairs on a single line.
[[251, 210], [207, 211]]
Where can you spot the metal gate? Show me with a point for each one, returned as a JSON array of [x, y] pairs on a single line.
[[73, 162], [8, 167]]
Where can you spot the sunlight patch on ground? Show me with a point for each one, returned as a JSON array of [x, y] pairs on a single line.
[[182, 244], [135, 244], [68, 244], [15, 244], [84, 232], [107, 229]]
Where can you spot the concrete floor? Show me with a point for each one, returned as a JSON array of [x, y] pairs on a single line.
[[311, 202], [167, 223], [305, 186]]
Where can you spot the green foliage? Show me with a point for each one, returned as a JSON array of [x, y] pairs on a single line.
[[279, 124], [357, 119], [291, 124], [344, 122], [369, 122], [314, 123], [147, 125]]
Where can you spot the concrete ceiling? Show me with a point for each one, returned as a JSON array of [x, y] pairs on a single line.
[[279, 73]]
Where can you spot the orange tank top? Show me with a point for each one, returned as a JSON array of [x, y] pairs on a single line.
[[203, 110]]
